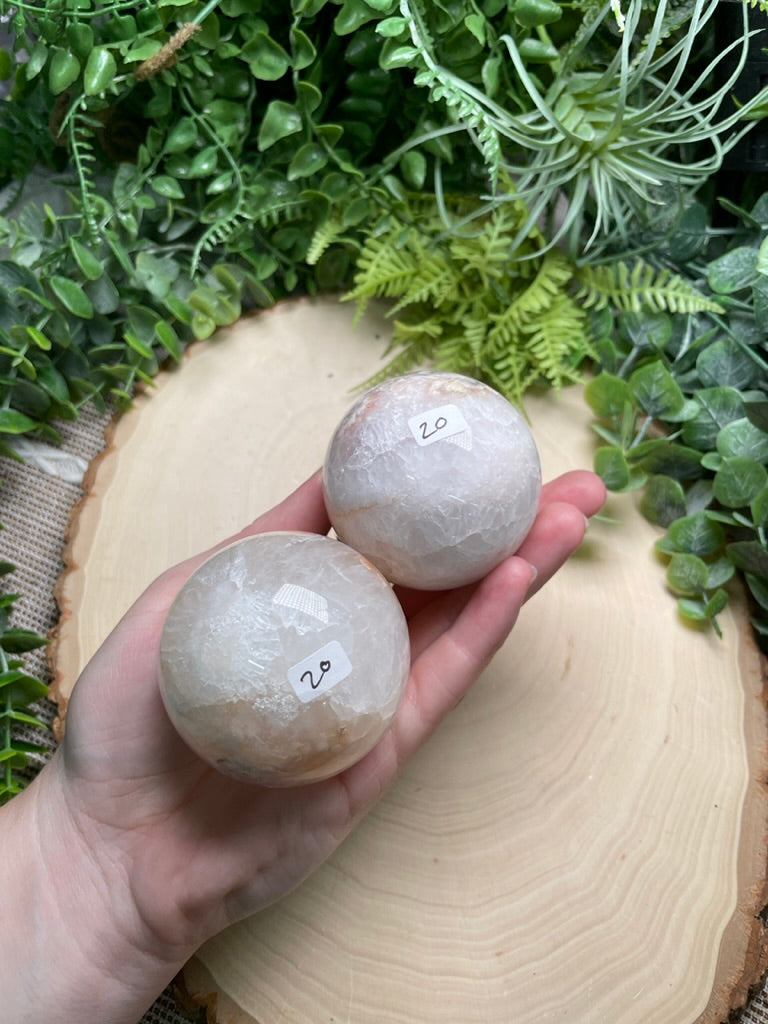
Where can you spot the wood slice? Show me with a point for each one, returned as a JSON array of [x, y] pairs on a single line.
[[583, 840]]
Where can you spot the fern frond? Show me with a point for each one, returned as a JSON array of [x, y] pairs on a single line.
[[433, 280], [382, 271], [489, 252], [325, 235], [640, 288], [461, 100], [552, 277], [80, 134], [557, 342]]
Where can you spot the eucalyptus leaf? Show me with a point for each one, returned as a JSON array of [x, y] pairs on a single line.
[[695, 610], [738, 481], [663, 500], [697, 534], [612, 466], [717, 407], [723, 363], [742, 437], [687, 575], [734, 271], [655, 390]]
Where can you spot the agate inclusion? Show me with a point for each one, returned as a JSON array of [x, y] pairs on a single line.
[[283, 658], [434, 477]]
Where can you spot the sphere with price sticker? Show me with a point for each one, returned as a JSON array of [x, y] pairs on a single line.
[[283, 658], [434, 477]]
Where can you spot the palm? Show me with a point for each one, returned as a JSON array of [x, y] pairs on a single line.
[[204, 850]]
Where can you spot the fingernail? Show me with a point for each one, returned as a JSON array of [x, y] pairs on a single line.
[[534, 574]]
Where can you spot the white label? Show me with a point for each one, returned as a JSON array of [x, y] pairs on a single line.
[[437, 424], [320, 672]]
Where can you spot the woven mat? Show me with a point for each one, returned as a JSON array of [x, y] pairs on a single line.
[[36, 501]]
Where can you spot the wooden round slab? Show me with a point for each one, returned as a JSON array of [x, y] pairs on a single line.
[[584, 840]]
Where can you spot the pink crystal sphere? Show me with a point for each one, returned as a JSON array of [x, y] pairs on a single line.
[[283, 658], [434, 477]]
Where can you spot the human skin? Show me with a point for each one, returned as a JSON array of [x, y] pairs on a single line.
[[127, 852]]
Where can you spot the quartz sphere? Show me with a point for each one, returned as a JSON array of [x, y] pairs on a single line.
[[435, 477], [283, 658]]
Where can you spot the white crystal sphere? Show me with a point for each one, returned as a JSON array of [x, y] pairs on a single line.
[[283, 658], [435, 477]]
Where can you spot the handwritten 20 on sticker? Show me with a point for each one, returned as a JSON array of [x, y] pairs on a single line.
[[283, 658], [434, 477]]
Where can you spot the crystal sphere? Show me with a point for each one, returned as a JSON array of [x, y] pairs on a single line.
[[434, 477], [283, 658]]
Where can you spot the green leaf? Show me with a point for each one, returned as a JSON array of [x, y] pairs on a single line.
[[738, 481], [63, 70], [20, 687], [758, 586], [696, 535], [687, 575], [266, 58], [749, 556], [724, 364], [719, 572], [167, 187], [741, 437], [733, 271], [280, 120], [168, 339], [85, 259], [663, 500], [692, 609], [71, 295], [156, 273], [14, 422], [655, 390], [352, 15], [716, 408], [100, 70], [303, 52], [689, 236], [307, 160], [104, 295], [37, 60], [606, 395], [759, 509], [391, 28], [396, 56], [532, 13], [612, 466], [666, 457], [39, 339], [413, 165], [757, 413]]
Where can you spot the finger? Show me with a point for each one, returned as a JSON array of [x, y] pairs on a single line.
[[579, 487], [442, 673], [557, 532]]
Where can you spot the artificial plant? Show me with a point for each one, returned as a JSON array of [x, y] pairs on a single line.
[[167, 164]]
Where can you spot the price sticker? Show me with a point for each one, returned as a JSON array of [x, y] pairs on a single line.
[[319, 672], [437, 424]]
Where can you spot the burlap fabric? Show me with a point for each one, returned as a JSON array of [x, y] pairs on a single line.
[[36, 501]]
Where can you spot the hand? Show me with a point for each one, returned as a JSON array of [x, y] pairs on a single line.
[[152, 851]]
